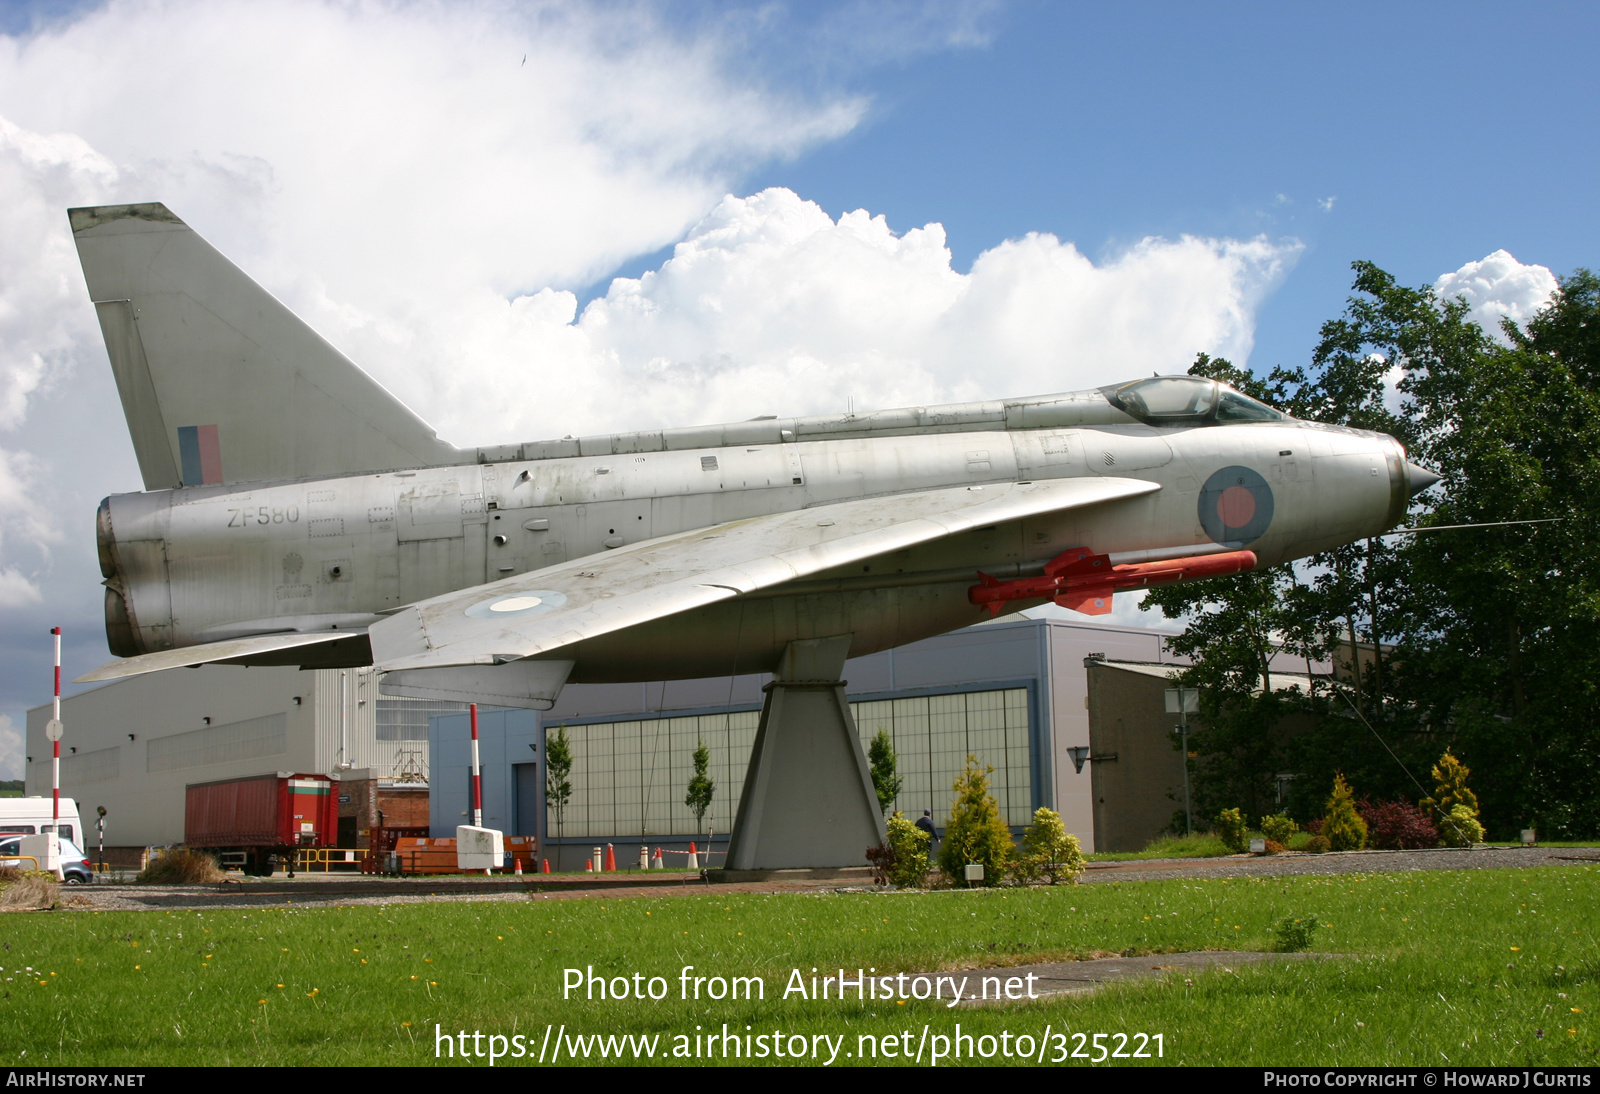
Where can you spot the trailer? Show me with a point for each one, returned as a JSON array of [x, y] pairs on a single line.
[[259, 820]]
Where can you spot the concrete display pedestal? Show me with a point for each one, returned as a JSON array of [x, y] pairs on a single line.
[[808, 800]]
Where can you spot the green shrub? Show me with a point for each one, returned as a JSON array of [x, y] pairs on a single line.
[[910, 846], [976, 832], [1450, 776], [1343, 826], [1317, 845], [1279, 828], [1461, 827], [1232, 831], [1294, 935], [1049, 850]]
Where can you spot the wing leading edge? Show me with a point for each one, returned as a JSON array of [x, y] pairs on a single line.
[[232, 649]]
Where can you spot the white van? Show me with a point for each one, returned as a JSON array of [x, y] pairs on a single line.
[[30, 816]]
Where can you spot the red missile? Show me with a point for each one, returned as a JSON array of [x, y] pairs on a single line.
[[1084, 581]]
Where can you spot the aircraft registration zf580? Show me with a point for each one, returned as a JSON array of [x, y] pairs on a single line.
[[297, 513]]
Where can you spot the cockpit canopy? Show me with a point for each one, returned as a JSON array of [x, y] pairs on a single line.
[[1187, 400]]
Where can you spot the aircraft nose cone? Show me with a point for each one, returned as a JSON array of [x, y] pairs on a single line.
[[1419, 479]]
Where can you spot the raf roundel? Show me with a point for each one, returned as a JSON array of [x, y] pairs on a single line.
[[519, 604], [1235, 506]]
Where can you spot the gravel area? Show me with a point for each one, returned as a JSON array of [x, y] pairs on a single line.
[[322, 890], [1344, 862]]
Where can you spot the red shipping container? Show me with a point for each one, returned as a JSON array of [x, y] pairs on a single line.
[[264, 813]]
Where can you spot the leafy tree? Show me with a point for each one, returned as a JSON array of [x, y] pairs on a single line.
[[1343, 826], [1486, 639], [557, 768], [1048, 850], [885, 782], [701, 788], [976, 833], [1508, 664]]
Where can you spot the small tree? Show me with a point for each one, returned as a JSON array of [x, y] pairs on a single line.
[[701, 788], [1343, 826], [1450, 777], [976, 832], [1049, 850], [884, 781], [1231, 830], [910, 846], [557, 766]]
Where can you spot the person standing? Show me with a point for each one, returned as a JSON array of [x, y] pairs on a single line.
[[925, 822]]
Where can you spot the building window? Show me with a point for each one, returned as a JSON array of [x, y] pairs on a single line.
[[934, 734], [407, 719], [629, 778]]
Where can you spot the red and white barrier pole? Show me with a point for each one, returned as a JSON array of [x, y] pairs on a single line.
[[477, 778]]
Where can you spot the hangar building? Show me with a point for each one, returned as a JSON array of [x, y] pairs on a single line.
[[1014, 692]]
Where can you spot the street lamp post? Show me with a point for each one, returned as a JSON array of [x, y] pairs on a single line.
[[1181, 701]]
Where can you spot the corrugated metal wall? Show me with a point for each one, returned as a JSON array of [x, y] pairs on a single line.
[[361, 702]]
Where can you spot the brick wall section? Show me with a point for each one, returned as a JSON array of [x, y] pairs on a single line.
[[401, 807], [404, 808]]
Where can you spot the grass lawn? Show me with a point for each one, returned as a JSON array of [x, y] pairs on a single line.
[[1469, 967]]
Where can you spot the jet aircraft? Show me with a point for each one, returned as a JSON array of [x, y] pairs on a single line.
[[297, 513]]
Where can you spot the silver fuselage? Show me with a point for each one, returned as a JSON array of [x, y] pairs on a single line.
[[203, 564]]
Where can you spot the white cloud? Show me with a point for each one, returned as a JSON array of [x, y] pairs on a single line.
[[388, 157], [44, 318], [1499, 287], [772, 306], [1326, 204]]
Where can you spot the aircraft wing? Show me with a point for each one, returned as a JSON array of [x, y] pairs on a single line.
[[229, 649], [545, 610]]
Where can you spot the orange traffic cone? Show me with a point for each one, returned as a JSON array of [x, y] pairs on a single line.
[[588, 867], [518, 864], [611, 860], [694, 857], [547, 866], [656, 863]]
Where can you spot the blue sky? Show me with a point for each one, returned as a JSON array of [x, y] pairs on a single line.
[[1442, 131], [361, 160]]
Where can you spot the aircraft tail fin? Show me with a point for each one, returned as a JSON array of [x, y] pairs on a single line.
[[219, 381]]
